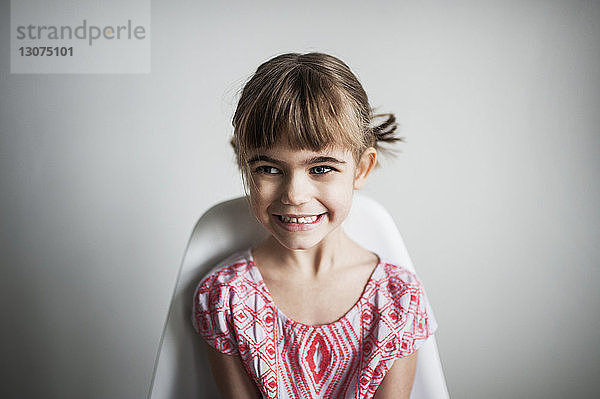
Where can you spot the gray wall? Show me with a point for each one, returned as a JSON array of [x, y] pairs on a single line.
[[496, 191]]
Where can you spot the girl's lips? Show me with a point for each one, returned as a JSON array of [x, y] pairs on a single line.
[[298, 226]]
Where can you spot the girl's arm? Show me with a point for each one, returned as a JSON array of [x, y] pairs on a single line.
[[398, 381], [230, 376]]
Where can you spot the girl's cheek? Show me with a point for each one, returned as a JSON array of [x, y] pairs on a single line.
[[264, 191]]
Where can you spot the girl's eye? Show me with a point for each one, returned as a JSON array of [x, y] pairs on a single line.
[[268, 170], [321, 170]]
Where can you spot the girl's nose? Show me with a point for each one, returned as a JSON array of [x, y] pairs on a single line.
[[296, 191]]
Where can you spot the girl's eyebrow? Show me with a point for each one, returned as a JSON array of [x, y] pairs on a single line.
[[310, 161], [321, 159], [258, 158]]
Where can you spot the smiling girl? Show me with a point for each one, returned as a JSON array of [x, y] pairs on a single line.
[[309, 313]]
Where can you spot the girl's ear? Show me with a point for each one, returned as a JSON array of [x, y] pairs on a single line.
[[366, 163]]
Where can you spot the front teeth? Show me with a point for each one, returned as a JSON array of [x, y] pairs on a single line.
[[306, 219]]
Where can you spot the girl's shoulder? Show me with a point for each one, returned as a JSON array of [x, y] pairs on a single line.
[[392, 272], [399, 285], [228, 271]]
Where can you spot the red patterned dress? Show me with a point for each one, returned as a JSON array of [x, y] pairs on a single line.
[[235, 313]]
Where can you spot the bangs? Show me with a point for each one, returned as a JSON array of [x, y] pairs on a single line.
[[302, 107]]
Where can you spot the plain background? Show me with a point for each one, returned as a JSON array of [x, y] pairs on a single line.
[[495, 192]]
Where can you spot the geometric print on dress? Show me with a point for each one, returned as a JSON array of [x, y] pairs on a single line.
[[235, 313]]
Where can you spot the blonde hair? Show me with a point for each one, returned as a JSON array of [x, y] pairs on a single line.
[[314, 101]]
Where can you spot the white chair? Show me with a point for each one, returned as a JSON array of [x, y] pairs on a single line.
[[181, 371]]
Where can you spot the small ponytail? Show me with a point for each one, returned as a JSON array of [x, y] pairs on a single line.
[[385, 132]]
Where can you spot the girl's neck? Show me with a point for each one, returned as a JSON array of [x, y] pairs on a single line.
[[333, 252]]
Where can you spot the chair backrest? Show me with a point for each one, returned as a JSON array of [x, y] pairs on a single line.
[[181, 370]]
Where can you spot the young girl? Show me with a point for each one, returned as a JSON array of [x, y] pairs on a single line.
[[309, 313]]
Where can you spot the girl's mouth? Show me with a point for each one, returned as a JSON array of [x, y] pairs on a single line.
[[308, 219], [299, 222]]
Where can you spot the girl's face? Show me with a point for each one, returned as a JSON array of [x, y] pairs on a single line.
[[302, 196]]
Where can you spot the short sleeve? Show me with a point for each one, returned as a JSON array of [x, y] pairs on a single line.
[[212, 314], [410, 313], [420, 323]]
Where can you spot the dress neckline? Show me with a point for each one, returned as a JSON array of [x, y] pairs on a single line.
[[282, 316]]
